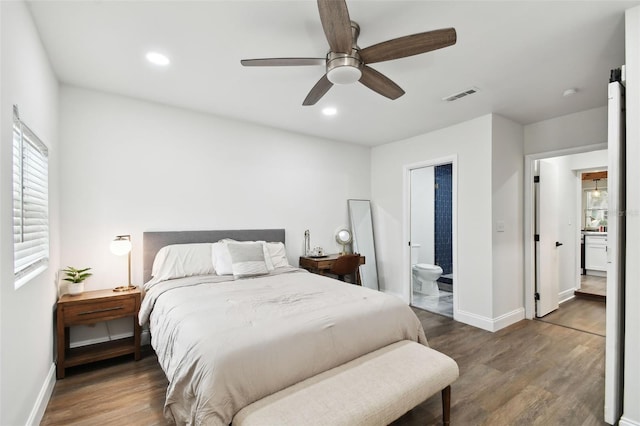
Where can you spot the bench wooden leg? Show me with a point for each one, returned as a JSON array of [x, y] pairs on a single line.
[[446, 405]]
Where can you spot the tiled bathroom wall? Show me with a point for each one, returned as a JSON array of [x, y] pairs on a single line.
[[443, 207]]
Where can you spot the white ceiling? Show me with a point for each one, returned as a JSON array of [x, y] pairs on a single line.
[[522, 55]]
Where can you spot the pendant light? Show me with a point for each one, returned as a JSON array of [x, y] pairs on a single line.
[[596, 193]]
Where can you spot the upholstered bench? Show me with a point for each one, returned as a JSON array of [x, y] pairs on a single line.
[[375, 389]]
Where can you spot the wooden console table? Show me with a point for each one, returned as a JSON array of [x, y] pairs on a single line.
[[322, 265], [92, 307]]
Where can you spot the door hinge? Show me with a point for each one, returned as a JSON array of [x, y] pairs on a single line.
[[536, 296], [536, 237], [536, 179]]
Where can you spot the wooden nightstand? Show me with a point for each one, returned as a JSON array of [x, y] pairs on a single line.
[[92, 307], [322, 265]]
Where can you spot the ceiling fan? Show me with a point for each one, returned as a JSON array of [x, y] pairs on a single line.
[[347, 63]]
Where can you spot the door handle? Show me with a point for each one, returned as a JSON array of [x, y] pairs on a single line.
[[558, 244]]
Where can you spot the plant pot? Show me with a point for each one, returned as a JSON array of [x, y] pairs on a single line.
[[75, 288]]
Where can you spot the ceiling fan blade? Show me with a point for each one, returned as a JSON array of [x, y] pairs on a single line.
[[282, 62], [409, 45], [322, 86], [380, 84], [336, 24]]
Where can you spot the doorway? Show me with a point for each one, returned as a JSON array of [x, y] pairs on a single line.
[[570, 228], [431, 235]]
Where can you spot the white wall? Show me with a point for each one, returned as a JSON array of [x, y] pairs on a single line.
[[133, 166], [27, 328], [631, 415], [568, 131], [423, 213], [488, 289], [507, 141], [471, 142]]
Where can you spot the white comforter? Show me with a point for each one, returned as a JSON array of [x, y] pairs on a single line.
[[225, 344]]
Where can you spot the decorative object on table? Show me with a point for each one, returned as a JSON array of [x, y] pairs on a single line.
[[343, 237], [121, 246], [76, 278], [307, 243], [317, 251]]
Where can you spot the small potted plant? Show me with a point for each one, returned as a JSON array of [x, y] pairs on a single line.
[[76, 278]]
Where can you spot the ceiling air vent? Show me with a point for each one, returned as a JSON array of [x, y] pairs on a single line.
[[462, 94]]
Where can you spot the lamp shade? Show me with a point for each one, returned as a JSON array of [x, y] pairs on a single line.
[[120, 246]]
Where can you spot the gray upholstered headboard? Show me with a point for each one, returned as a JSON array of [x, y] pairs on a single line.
[[153, 241]]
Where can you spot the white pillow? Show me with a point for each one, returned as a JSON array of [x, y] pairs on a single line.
[[248, 259], [278, 255], [222, 258], [182, 260]]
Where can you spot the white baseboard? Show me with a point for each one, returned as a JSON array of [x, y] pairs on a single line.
[[566, 295], [628, 422], [101, 339], [145, 337], [489, 324], [507, 319], [37, 412], [473, 319]]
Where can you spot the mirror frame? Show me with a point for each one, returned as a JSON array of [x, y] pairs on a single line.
[[342, 242], [364, 244]]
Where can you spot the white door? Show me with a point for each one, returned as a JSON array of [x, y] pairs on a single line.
[[615, 254], [547, 247]]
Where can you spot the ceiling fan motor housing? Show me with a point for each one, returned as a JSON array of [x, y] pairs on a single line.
[[344, 68]]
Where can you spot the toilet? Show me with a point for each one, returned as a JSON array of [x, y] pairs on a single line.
[[424, 276]]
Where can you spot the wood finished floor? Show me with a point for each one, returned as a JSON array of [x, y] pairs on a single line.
[[592, 287], [531, 373], [581, 314]]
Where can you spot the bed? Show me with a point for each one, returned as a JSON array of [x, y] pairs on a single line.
[[226, 341]]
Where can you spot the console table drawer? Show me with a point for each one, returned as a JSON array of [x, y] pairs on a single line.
[[90, 312]]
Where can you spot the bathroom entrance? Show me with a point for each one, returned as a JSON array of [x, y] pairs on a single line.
[[431, 200]]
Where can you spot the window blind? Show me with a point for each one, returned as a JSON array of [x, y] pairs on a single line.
[[30, 200]]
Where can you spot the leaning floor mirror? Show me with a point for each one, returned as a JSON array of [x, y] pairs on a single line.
[[362, 230]]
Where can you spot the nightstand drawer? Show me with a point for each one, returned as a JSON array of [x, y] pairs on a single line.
[[88, 312]]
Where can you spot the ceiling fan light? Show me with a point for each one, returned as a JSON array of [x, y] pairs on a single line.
[[344, 75]]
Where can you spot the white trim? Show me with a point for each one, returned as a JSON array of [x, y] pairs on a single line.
[[529, 247], [406, 226], [491, 324], [474, 320], [96, 340], [565, 296], [19, 282], [37, 412], [508, 319], [145, 337], [628, 422]]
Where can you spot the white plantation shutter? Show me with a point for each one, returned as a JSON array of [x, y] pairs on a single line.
[[30, 200]]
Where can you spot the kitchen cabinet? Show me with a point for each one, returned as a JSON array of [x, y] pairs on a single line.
[[595, 252]]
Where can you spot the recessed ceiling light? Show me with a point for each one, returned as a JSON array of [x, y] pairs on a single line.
[[569, 92], [329, 111], [158, 59]]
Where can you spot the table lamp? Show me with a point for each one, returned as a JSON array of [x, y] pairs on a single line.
[[121, 246]]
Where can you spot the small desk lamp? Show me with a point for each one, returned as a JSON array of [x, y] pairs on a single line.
[[121, 246]]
